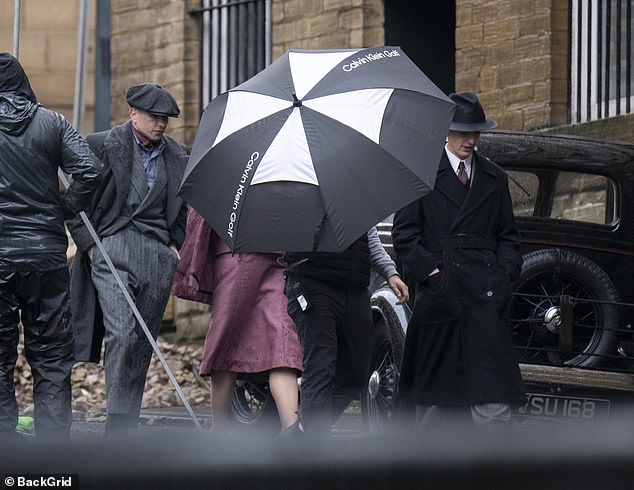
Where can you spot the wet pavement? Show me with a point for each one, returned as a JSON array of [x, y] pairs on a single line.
[[171, 420], [169, 453]]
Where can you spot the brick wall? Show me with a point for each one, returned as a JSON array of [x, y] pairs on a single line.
[[326, 24], [48, 51], [157, 41], [513, 54]]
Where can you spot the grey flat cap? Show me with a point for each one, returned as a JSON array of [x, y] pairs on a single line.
[[152, 98]]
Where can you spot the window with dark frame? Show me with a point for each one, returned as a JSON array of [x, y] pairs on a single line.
[[562, 195]]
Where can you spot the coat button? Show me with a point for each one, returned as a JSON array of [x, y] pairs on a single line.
[[489, 293]]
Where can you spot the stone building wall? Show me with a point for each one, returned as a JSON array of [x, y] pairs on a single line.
[[513, 54], [326, 24], [48, 51]]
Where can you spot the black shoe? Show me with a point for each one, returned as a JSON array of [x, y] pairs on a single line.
[[118, 424]]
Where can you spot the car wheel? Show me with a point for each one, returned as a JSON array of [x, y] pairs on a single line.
[[253, 407], [550, 278], [379, 397]]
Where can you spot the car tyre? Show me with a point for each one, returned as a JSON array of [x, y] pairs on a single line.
[[536, 309], [379, 396], [253, 407]]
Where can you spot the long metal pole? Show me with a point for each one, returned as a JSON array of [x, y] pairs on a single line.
[[16, 28], [206, 56], [80, 67], [268, 42]]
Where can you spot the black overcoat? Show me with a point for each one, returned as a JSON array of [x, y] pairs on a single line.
[[114, 148], [458, 348]]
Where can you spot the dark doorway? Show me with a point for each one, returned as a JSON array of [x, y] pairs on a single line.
[[425, 30]]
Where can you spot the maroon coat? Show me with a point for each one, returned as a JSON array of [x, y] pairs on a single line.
[[250, 331]]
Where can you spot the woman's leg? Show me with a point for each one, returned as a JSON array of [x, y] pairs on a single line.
[[283, 385], [222, 386]]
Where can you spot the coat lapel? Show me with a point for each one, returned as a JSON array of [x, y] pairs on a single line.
[[120, 158], [447, 183], [161, 177]]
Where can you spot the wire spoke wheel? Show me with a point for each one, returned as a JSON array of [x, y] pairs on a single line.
[[536, 310], [378, 399], [252, 405], [380, 395]]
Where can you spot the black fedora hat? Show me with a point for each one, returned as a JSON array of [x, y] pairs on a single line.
[[469, 116], [153, 99]]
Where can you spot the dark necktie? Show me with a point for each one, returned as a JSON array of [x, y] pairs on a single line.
[[462, 174]]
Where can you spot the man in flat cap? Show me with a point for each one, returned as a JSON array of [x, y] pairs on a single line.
[[141, 223], [459, 248], [34, 143]]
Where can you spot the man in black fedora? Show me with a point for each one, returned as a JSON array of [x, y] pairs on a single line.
[[140, 221], [459, 249]]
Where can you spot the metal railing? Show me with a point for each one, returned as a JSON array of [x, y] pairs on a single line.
[[600, 59], [235, 43]]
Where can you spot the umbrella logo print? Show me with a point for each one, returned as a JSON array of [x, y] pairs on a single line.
[[343, 138], [244, 178], [347, 67]]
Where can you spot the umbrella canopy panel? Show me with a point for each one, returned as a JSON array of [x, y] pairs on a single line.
[[316, 148]]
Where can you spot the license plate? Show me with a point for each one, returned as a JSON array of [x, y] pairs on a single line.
[[540, 406]]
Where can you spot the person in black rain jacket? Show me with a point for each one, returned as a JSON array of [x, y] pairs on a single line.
[[34, 143]]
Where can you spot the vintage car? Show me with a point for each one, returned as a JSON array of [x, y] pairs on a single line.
[[572, 309]]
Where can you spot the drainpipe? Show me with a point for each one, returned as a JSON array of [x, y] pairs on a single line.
[[16, 28], [80, 67]]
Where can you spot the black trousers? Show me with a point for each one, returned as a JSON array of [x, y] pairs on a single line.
[[335, 333], [40, 301]]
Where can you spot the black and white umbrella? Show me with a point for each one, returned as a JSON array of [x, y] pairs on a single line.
[[315, 149]]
